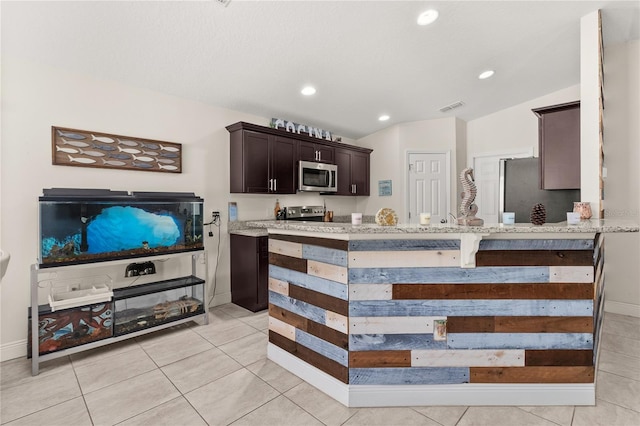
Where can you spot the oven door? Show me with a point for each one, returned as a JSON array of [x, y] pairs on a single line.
[[319, 177]]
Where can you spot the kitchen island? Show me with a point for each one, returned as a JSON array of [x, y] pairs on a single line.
[[439, 315]]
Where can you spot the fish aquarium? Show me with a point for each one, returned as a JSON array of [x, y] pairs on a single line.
[[93, 225], [150, 305]]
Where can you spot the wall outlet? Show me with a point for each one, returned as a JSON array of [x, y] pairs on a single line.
[[215, 215]]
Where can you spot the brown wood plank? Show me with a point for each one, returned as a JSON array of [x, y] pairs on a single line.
[[327, 365], [316, 329], [547, 291], [560, 374], [282, 342], [322, 242], [520, 324], [534, 258], [320, 300], [288, 262], [544, 324], [375, 359], [471, 324], [558, 357]]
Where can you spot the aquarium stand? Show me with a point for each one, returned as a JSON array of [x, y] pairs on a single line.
[[81, 317]]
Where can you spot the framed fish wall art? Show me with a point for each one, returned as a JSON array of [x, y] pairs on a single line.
[[83, 148]]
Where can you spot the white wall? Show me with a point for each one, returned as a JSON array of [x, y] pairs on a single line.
[[514, 128], [389, 158], [622, 192], [34, 98]]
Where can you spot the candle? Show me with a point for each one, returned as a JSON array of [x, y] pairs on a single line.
[[425, 218]]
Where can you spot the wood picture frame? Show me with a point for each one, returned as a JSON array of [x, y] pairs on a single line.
[[85, 148]]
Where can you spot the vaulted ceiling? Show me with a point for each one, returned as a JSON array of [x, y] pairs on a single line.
[[365, 58]]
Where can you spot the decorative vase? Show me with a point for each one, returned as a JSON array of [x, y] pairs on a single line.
[[538, 214], [584, 208]]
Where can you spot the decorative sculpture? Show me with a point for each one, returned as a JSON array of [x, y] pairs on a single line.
[[468, 209]]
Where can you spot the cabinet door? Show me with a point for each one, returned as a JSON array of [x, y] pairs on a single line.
[[308, 151], [360, 173], [559, 146], [316, 152], [283, 156], [254, 176], [343, 161], [325, 153], [249, 271]]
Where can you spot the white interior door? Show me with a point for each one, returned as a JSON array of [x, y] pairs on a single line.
[[486, 170], [428, 185]]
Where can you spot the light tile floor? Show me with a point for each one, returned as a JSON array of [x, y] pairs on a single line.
[[218, 374]]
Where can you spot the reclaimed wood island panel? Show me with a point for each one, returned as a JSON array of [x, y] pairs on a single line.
[[438, 318]]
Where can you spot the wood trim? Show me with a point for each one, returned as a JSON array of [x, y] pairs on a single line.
[[519, 324], [326, 365], [318, 330], [568, 291], [241, 125], [534, 258], [373, 359], [322, 242], [555, 374], [320, 300], [288, 262], [535, 357]]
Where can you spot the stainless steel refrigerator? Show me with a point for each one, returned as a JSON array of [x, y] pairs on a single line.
[[520, 191]]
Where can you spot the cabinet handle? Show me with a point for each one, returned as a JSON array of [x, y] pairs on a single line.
[[270, 184], [319, 156], [275, 185], [353, 188]]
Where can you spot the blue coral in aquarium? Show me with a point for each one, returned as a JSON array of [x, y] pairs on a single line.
[[135, 228], [53, 247]]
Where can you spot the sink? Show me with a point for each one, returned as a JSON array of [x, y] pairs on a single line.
[[4, 260]]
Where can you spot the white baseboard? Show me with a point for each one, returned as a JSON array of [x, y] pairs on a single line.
[[416, 395], [13, 350], [622, 308]]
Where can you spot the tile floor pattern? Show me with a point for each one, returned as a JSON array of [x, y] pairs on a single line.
[[218, 374]]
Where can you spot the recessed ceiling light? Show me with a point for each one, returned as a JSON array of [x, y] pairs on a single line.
[[428, 17], [308, 90], [486, 74], [383, 117]]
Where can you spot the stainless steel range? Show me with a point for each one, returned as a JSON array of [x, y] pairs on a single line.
[[306, 213]]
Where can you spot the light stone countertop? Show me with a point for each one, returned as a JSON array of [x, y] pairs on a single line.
[[585, 226]]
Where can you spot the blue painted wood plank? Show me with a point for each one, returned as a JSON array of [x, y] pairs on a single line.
[[450, 275], [322, 347], [299, 307], [321, 285], [478, 307], [520, 340], [403, 245], [408, 376], [380, 342], [574, 244], [325, 255]]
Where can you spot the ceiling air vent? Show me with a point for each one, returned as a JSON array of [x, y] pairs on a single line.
[[451, 106]]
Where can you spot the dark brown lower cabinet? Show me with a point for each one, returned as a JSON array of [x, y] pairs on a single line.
[[250, 271]]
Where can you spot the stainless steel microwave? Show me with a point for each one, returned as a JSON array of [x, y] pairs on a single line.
[[320, 177]]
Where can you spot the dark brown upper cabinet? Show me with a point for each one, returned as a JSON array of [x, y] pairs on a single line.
[[559, 145], [264, 160], [321, 153], [353, 172], [262, 163]]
